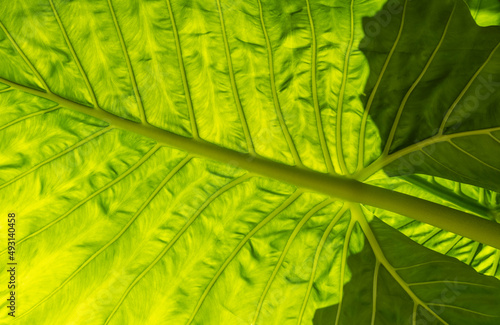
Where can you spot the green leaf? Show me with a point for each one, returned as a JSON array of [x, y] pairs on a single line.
[[460, 196], [432, 288], [431, 141], [485, 12], [250, 162]]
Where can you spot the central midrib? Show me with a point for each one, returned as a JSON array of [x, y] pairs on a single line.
[[461, 223]]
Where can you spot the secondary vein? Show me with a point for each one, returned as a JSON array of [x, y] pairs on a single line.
[[236, 95], [319, 249], [284, 252], [116, 237], [319, 122], [187, 93], [73, 53], [139, 163], [142, 113], [374, 91], [277, 107], [25, 117], [261, 224], [25, 58], [414, 85], [215, 195], [340, 106], [62, 153], [379, 254]]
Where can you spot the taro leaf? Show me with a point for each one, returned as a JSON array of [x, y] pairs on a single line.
[[194, 162], [485, 12], [453, 82], [432, 288]]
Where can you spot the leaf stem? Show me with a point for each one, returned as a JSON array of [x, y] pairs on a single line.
[[446, 218]]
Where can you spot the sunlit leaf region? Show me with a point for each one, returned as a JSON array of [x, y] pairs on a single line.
[[321, 162]]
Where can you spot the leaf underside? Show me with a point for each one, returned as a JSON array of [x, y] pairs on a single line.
[[117, 228]]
